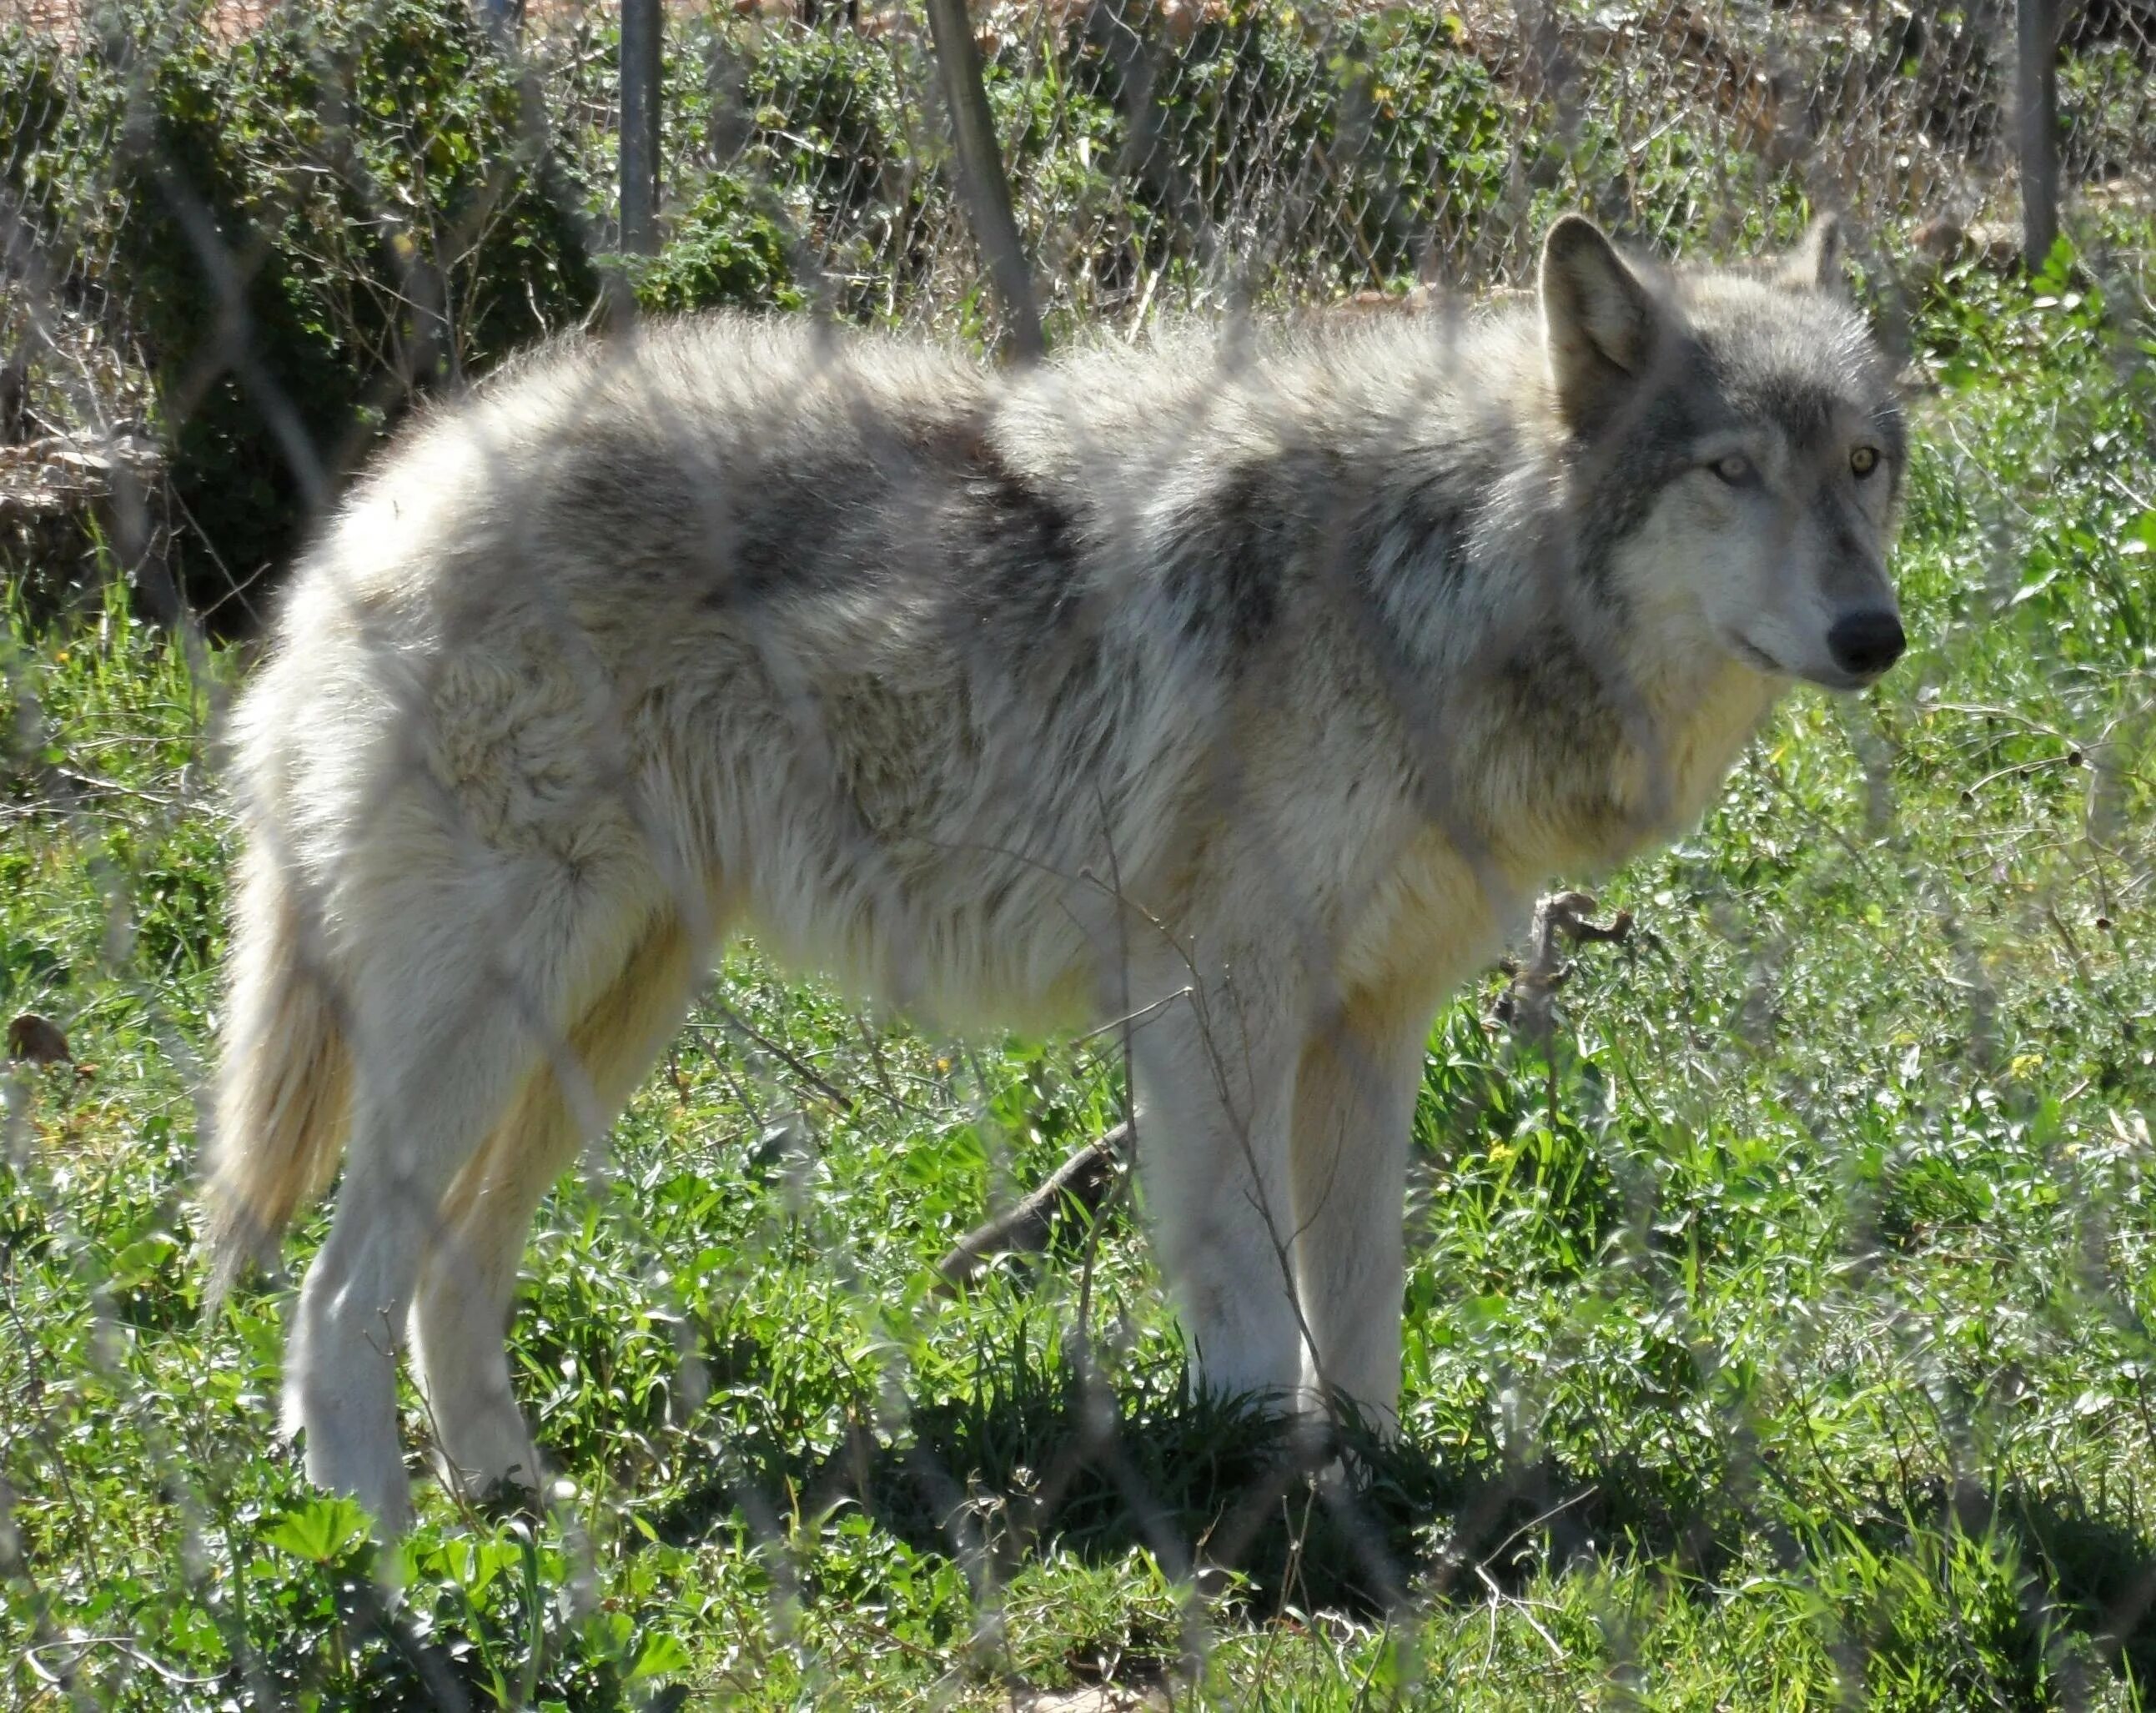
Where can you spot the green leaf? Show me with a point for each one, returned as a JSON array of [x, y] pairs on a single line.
[[141, 1260], [660, 1656], [323, 1531]]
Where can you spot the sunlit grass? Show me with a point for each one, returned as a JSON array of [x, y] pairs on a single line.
[[1800, 1354]]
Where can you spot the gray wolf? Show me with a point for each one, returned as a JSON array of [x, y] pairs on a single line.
[[1244, 687]]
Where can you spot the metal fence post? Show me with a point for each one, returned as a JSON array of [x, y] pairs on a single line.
[[981, 175], [2036, 95], [641, 24]]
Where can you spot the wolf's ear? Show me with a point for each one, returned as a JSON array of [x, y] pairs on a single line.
[[1598, 321], [1821, 260]]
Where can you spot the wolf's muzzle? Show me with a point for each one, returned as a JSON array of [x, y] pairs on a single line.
[[1864, 644]]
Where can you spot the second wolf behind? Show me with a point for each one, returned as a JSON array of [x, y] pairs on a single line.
[[1243, 688]]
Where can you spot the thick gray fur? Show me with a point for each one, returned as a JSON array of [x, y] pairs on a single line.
[[1246, 685]]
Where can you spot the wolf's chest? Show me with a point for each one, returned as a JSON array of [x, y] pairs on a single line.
[[1663, 784], [1449, 897], [1436, 915]]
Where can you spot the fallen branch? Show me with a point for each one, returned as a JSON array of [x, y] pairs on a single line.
[[1561, 916], [1025, 1227]]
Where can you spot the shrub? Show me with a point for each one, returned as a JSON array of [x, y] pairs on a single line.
[[724, 249], [318, 225]]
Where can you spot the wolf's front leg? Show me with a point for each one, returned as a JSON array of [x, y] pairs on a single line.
[[1355, 1111], [1213, 1072]]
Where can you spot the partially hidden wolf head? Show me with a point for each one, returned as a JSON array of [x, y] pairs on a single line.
[[1736, 439]]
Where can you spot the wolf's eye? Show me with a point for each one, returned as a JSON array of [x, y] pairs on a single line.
[[1736, 469], [1863, 461]]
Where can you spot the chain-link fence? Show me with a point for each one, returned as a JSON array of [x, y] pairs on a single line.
[[1361, 148], [1171, 158], [1738, 1296]]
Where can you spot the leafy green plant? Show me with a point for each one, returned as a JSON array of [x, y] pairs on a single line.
[[724, 249], [317, 224], [1779, 1338]]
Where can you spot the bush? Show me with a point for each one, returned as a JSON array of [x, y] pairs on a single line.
[[319, 225], [724, 249], [1375, 137]]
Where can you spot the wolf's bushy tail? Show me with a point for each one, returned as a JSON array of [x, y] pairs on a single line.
[[284, 1081]]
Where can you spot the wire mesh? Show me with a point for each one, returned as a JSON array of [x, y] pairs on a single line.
[[1779, 1242], [1211, 153]]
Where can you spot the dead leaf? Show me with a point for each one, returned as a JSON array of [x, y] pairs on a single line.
[[1102, 1698], [37, 1040]]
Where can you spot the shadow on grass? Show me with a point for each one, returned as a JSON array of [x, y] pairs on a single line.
[[1208, 1486], [1220, 1489]]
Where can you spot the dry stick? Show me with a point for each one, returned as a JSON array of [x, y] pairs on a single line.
[[1026, 1227], [841, 1101], [1530, 1004]]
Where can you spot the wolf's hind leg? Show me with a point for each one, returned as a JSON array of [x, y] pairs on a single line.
[[469, 1277], [462, 976], [1354, 1113]]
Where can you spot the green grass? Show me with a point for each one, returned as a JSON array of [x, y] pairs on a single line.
[[1798, 1358]]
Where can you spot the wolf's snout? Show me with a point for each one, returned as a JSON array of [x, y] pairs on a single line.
[[1866, 643]]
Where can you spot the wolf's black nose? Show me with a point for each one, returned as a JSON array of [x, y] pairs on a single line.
[[1866, 643]]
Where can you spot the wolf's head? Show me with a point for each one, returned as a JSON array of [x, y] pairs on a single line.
[[1735, 452]]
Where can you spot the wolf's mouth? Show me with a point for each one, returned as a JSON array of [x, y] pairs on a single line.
[[1752, 655]]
